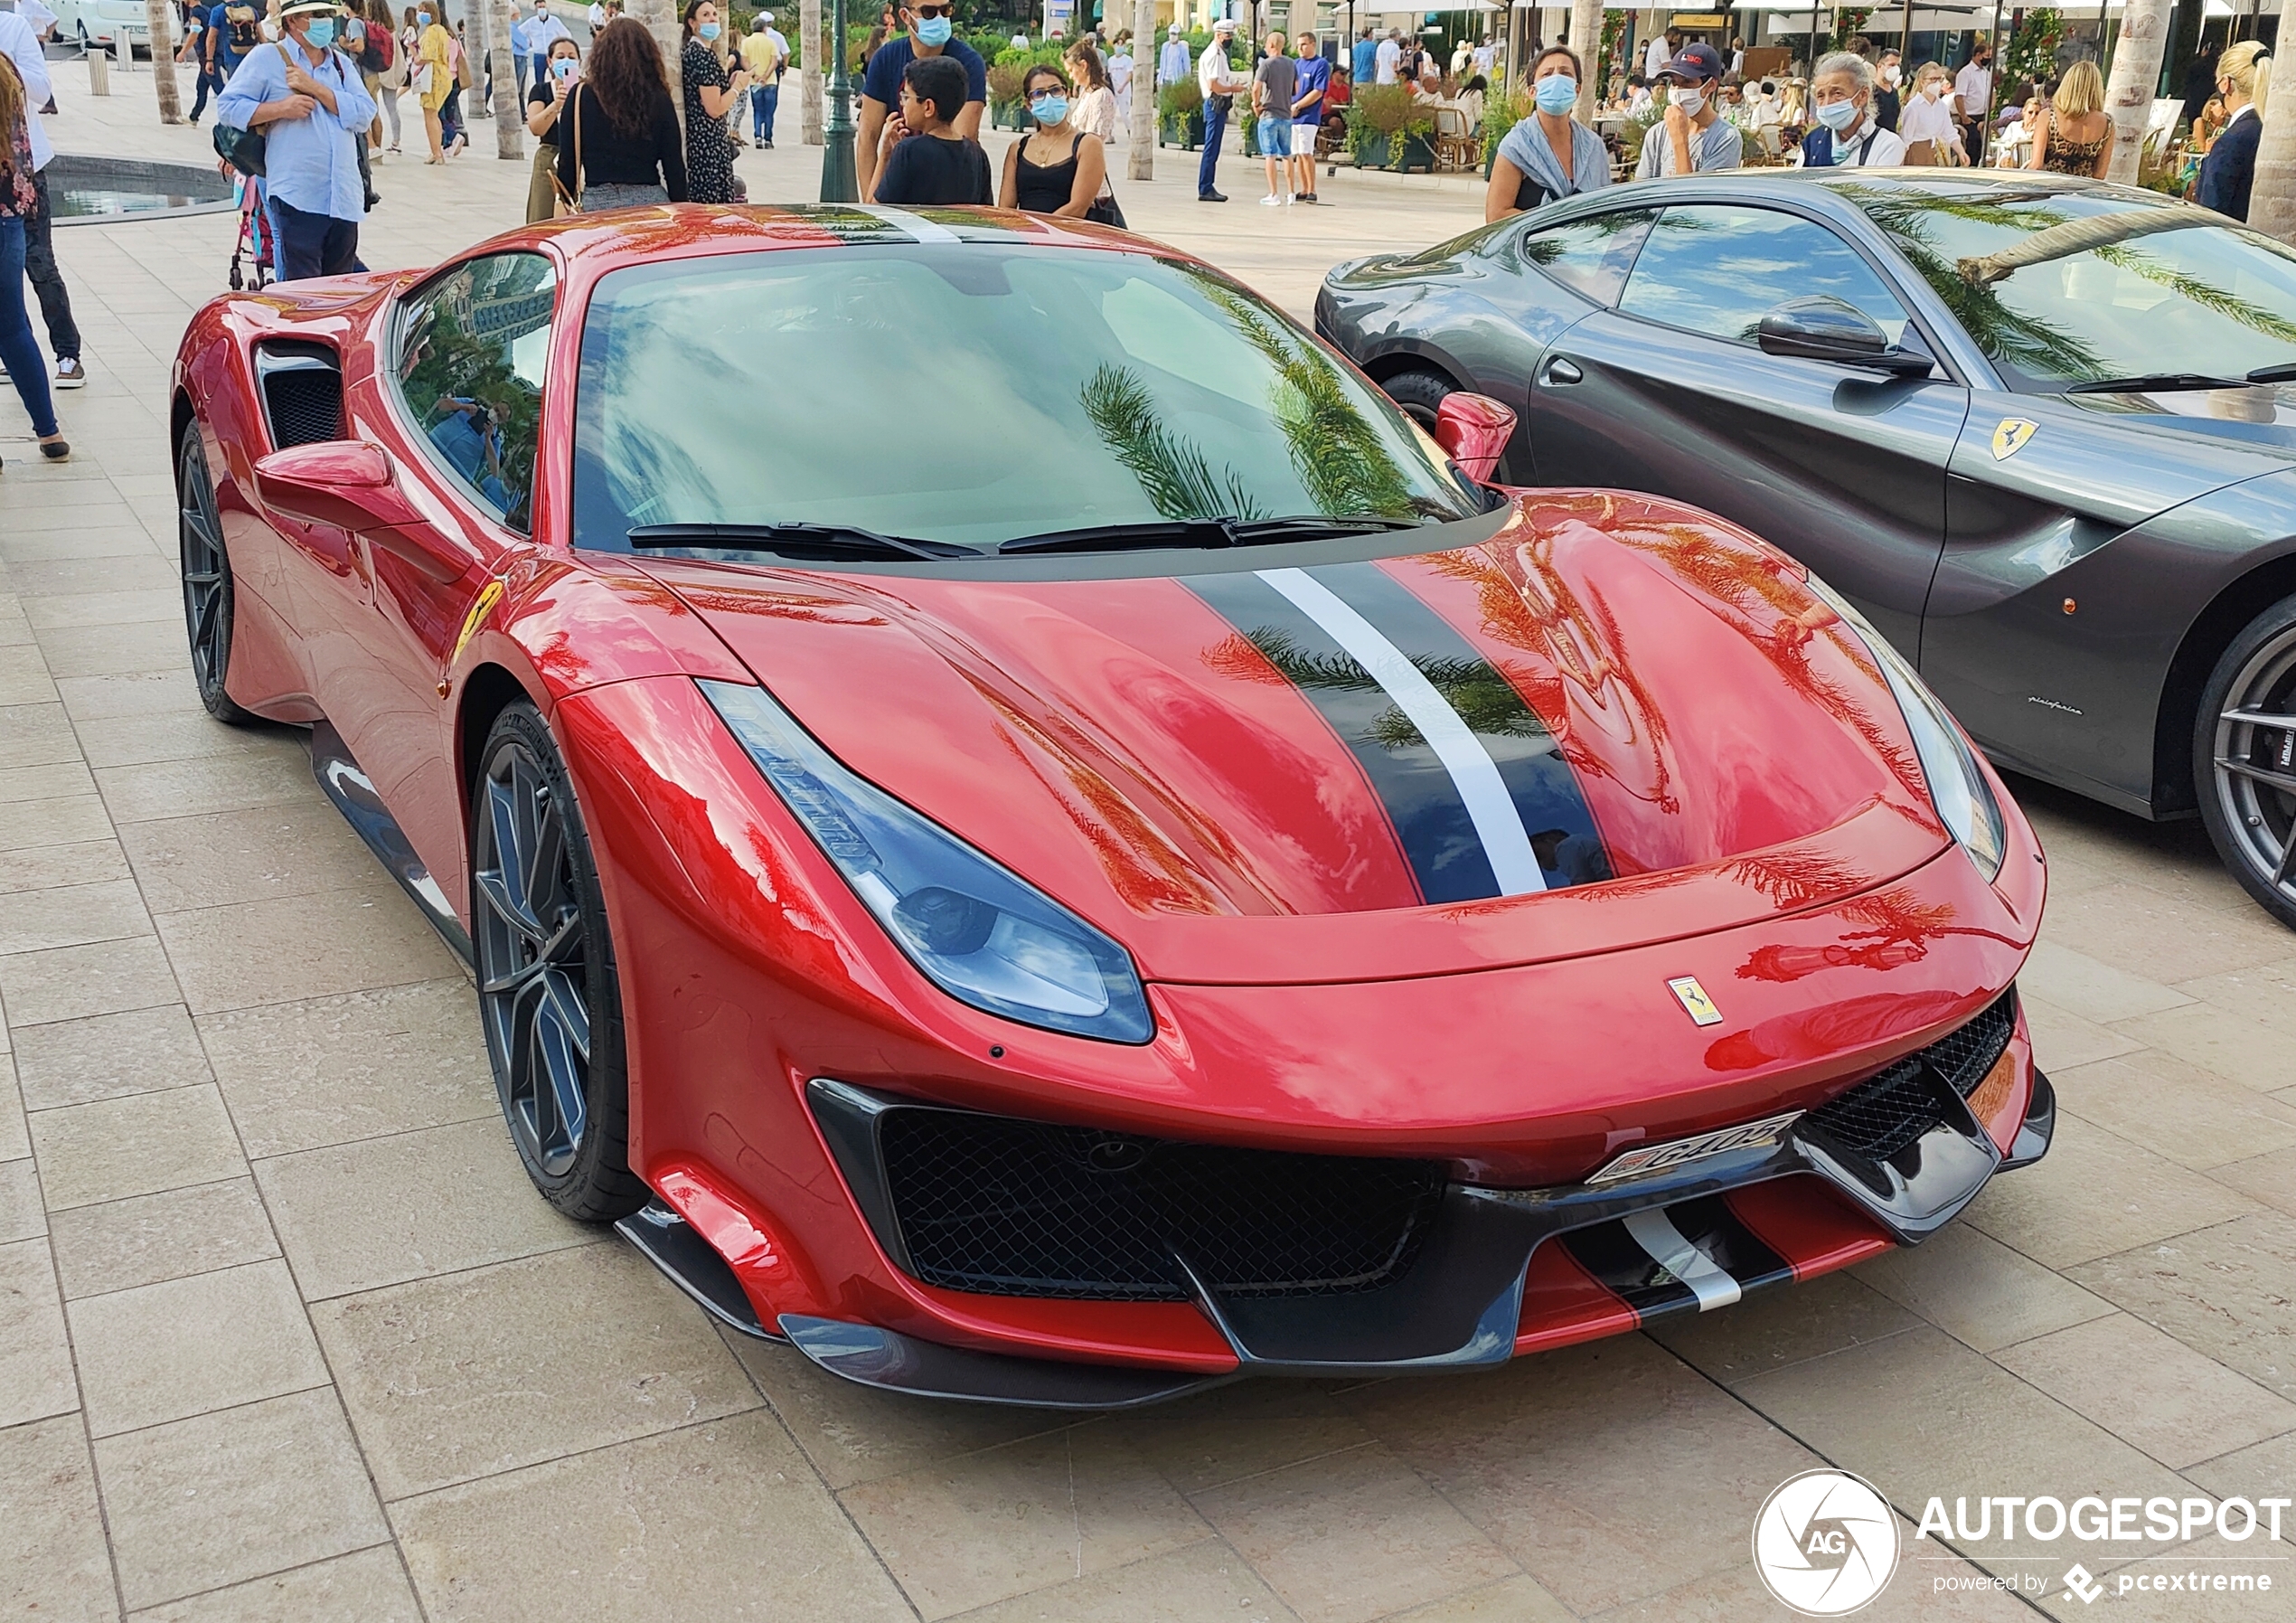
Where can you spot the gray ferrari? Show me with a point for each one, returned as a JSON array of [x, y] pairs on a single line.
[[2039, 430]]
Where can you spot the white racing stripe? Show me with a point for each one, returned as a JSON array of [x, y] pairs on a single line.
[[1496, 823], [1655, 1232], [922, 229]]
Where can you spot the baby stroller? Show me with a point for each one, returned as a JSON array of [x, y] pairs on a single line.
[[254, 239]]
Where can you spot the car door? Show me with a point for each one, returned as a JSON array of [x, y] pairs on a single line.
[[467, 368], [1665, 389]]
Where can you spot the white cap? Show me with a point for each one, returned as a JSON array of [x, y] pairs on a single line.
[[1225, 25]]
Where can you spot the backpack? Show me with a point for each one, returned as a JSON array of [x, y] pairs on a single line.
[[375, 55], [240, 20]]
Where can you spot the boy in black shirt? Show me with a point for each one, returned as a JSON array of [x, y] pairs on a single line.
[[934, 165]]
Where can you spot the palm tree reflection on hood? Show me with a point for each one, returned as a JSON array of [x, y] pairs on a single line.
[[1483, 699]]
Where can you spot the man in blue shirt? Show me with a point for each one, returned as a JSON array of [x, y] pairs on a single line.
[[1365, 66], [930, 27], [231, 33], [1311, 79], [520, 50], [308, 100], [1173, 62]]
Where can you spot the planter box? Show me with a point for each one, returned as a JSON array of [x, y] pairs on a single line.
[[1376, 151], [1187, 134], [1418, 155]]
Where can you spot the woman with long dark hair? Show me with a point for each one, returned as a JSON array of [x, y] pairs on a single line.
[[1056, 168], [618, 140], [710, 96]]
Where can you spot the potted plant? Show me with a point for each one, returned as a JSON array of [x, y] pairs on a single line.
[[1386, 129], [1501, 114], [1004, 92], [1179, 114]]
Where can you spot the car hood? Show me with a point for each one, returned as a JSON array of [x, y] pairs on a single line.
[[1600, 722]]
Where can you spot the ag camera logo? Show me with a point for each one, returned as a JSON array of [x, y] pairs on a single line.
[[1825, 1543]]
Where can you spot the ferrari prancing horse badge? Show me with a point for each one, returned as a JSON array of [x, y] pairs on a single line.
[[2011, 437], [1695, 1003]]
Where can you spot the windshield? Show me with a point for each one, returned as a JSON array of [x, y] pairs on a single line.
[[2209, 299], [971, 393]]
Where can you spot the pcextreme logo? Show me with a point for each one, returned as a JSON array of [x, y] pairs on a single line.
[[1825, 1543]]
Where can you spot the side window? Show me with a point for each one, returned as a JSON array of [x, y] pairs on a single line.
[[471, 355], [1590, 257], [1718, 270]]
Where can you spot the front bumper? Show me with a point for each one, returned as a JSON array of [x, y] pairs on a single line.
[[1501, 1272]]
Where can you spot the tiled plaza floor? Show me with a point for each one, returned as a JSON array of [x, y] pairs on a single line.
[[283, 1334]]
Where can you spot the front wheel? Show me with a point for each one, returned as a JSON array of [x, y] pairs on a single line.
[[1420, 394], [208, 596], [548, 995], [2244, 759]]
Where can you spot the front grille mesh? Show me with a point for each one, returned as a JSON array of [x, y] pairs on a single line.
[[1888, 1111], [1019, 1208], [304, 405]]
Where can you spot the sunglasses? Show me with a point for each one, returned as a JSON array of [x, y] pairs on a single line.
[[929, 10]]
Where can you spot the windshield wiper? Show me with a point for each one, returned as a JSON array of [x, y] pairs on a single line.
[[1200, 533], [2285, 372], [826, 543], [2158, 382]]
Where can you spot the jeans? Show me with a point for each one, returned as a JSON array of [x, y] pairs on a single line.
[[207, 81], [313, 244], [26, 369], [1215, 126], [47, 281], [763, 99]]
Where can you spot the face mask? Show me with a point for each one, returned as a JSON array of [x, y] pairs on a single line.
[[933, 30], [423, 19], [563, 67], [1841, 116], [708, 31], [1691, 102], [1889, 76], [1556, 93], [321, 33], [1932, 90], [1050, 109]]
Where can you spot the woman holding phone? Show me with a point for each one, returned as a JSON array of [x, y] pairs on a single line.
[[545, 101]]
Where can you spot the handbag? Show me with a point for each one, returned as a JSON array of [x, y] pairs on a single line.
[[244, 149], [418, 81], [571, 201], [1104, 211]]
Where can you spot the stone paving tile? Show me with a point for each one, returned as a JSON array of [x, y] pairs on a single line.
[[2262, 1471], [141, 694], [2179, 1406], [2233, 1043], [48, 781], [1977, 1290], [1205, 1580], [109, 1056], [1010, 1520], [2192, 1117], [367, 1585], [2222, 1291], [220, 1498], [246, 855], [2141, 932], [121, 1245], [36, 735], [165, 1352], [1778, 1327], [140, 1145], [71, 983], [484, 1370], [21, 1216], [53, 1563], [169, 735], [72, 915], [1246, 1430], [1572, 1463], [1736, 1593], [357, 1216], [2271, 1179], [276, 774], [2081, 985], [295, 947], [1353, 1536], [330, 1069], [61, 821], [2107, 1195], [720, 1521], [35, 1359], [1516, 1600], [162, 605], [46, 867]]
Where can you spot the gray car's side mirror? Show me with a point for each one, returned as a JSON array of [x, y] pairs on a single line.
[[1821, 328]]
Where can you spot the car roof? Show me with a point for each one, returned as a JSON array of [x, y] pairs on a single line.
[[600, 242], [1832, 183]]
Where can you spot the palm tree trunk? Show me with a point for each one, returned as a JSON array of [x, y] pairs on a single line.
[[661, 20], [2272, 202], [1587, 39], [2136, 74], [493, 46], [811, 82], [157, 15], [1143, 163]]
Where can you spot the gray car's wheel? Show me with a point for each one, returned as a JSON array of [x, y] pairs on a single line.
[[1419, 394], [548, 995], [2244, 759]]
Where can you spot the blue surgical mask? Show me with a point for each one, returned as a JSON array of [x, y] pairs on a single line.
[[564, 67], [423, 19], [933, 30], [1050, 109], [1840, 116], [1555, 93], [708, 31], [321, 33]]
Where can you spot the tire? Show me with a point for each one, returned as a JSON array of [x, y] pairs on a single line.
[[2246, 770], [210, 595], [548, 995], [1419, 394]]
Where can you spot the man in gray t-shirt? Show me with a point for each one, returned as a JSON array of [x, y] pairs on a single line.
[[1275, 87]]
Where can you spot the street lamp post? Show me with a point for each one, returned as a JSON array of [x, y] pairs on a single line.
[[838, 181]]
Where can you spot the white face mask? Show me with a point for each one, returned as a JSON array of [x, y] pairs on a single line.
[[1889, 74], [1932, 90], [1691, 102]]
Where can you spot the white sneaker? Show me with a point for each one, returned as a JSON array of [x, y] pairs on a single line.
[[71, 373], [1270, 200], [1289, 199]]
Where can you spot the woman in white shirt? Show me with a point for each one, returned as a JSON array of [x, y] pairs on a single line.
[[1925, 123]]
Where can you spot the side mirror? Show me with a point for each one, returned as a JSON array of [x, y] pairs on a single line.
[[1821, 328], [1473, 429], [351, 484]]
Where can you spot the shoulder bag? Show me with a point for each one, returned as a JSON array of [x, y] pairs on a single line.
[[244, 149], [571, 202]]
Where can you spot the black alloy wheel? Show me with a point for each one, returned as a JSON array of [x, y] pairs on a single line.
[[1420, 394], [2244, 759], [547, 993], [208, 596]]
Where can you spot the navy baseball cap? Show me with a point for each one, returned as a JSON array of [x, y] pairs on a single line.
[[1694, 63]]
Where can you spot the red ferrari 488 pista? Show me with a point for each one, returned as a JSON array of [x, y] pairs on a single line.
[[1019, 827]]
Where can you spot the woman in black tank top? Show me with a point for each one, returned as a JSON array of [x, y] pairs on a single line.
[[1056, 168]]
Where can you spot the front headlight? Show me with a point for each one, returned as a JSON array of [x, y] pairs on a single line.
[[978, 932], [1957, 785]]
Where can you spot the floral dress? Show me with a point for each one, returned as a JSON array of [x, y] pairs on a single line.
[[708, 153]]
